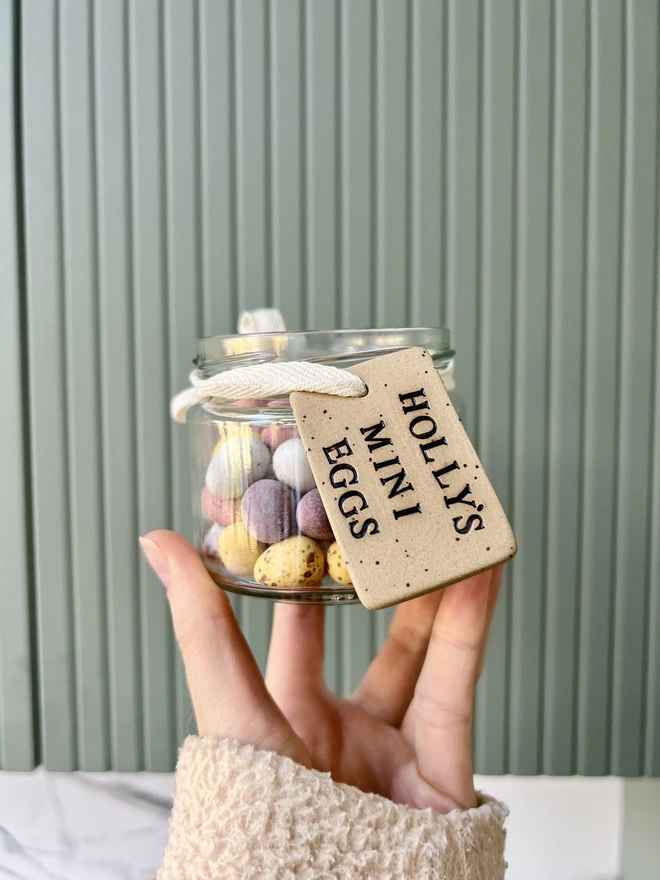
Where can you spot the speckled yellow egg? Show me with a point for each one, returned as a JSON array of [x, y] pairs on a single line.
[[336, 565], [239, 550], [294, 562]]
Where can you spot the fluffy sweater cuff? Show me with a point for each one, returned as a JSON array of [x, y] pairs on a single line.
[[243, 814]]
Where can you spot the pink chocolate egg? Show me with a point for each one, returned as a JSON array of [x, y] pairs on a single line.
[[274, 435], [223, 511]]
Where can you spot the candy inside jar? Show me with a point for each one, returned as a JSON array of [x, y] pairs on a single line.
[[262, 523], [261, 526]]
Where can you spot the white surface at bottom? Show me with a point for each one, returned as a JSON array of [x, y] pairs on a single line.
[[561, 828], [70, 826], [83, 826]]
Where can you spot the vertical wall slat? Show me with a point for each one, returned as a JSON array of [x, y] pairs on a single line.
[[256, 620], [287, 101], [117, 381], [332, 659], [47, 393], [83, 389], [321, 163], [252, 184], [357, 641], [216, 186], [565, 411], [392, 96], [151, 370], [356, 172], [495, 397], [182, 210], [652, 732], [184, 313], [636, 329], [530, 387], [462, 121], [600, 358], [17, 745], [426, 163]]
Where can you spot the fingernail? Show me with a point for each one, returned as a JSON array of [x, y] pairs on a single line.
[[157, 560]]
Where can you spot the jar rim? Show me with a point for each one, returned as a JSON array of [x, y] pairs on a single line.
[[342, 347]]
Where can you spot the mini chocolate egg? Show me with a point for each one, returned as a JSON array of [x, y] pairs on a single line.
[[269, 511], [337, 567], [224, 511], [275, 435], [238, 550], [231, 429], [210, 542], [240, 461], [294, 562], [312, 519], [291, 466]]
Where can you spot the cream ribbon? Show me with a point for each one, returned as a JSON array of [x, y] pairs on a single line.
[[271, 380]]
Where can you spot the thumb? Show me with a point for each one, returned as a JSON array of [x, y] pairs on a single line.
[[227, 690]]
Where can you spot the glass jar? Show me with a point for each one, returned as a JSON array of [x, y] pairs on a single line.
[[260, 526]]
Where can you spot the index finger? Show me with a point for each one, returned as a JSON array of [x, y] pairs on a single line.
[[228, 693]]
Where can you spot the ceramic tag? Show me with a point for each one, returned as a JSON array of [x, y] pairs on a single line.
[[407, 497]]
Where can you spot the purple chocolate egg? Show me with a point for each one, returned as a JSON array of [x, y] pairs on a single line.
[[269, 511], [312, 519]]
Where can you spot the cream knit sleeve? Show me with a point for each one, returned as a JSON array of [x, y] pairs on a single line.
[[242, 814]]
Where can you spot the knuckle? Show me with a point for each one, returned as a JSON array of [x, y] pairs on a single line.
[[435, 712], [445, 639], [409, 639]]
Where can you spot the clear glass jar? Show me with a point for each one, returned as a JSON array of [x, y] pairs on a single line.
[[253, 490]]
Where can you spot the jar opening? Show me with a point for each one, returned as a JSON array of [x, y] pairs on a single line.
[[342, 348]]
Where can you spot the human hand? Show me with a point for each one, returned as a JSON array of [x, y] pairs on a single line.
[[406, 731]]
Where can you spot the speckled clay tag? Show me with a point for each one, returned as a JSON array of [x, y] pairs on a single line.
[[407, 497]]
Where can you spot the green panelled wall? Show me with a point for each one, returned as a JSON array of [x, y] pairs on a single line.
[[17, 716], [490, 166]]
